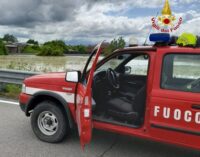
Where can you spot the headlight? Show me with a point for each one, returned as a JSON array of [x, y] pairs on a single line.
[[23, 88]]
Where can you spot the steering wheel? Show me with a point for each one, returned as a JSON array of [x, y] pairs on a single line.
[[112, 78], [193, 84]]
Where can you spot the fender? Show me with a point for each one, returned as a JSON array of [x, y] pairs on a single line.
[[34, 99]]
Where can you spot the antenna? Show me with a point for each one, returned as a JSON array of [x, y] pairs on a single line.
[[149, 31]]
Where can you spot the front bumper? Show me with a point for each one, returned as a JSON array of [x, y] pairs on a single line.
[[23, 107], [23, 101]]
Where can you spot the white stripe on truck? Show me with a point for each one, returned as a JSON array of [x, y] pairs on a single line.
[[69, 97]]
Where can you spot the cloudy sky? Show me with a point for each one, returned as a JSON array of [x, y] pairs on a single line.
[[90, 21]]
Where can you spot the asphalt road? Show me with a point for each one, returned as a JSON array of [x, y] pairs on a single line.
[[18, 140]]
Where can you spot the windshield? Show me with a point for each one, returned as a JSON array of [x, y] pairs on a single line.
[[113, 62]]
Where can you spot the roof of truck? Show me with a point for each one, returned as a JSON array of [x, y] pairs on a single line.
[[155, 48]]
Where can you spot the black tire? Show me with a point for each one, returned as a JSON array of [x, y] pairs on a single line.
[[62, 122]]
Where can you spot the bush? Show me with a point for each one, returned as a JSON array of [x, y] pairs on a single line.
[[53, 48], [114, 45], [34, 49], [11, 91], [51, 51], [3, 50], [31, 41], [80, 48]]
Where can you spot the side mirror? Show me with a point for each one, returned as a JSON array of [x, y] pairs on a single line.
[[127, 69], [73, 76]]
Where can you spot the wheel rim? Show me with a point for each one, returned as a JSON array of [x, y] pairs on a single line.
[[47, 123]]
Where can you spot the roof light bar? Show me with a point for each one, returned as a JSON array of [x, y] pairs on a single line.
[[160, 37]]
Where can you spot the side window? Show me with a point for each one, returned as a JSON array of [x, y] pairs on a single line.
[[138, 65], [181, 72]]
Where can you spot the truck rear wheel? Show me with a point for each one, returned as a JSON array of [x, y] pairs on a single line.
[[49, 122]]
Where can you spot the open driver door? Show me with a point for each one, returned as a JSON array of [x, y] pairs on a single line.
[[84, 98]]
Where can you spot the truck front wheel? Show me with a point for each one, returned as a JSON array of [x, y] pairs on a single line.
[[49, 122]]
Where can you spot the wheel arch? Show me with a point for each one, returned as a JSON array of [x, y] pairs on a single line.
[[45, 96]]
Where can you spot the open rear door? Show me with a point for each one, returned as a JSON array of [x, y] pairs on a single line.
[[84, 99]]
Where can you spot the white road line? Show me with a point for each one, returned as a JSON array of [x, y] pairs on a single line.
[[9, 102]]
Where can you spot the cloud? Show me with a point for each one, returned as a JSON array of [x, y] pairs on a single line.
[[32, 12], [29, 13], [191, 23], [86, 21]]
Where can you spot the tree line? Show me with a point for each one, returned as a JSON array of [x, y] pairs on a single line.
[[57, 47]]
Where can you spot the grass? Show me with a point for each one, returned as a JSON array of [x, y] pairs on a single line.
[[42, 64], [10, 91]]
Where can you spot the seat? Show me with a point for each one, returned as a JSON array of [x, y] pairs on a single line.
[[127, 95], [123, 108]]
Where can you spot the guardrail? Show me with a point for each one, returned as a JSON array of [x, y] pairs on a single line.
[[14, 76]]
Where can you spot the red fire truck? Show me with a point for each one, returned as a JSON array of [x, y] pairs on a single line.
[[152, 92]]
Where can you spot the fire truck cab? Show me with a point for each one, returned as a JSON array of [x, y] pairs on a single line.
[[152, 92]]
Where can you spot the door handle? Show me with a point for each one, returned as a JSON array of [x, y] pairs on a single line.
[[196, 106]]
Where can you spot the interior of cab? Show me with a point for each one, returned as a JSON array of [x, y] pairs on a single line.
[[119, 89]]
